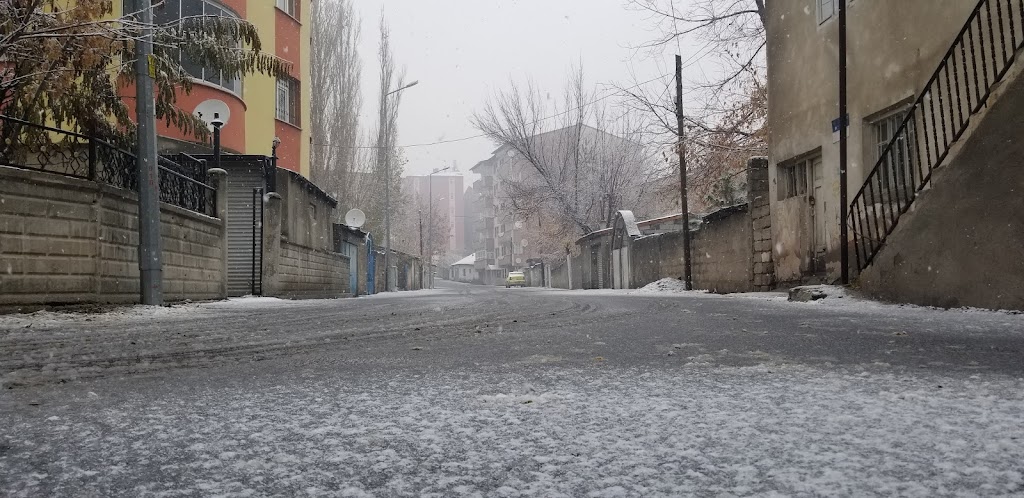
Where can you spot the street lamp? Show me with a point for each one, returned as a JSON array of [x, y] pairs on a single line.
[[387, 185], [430, 219]]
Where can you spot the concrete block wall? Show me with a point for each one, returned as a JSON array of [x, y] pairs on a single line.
[[560, 276], [66, 240], [48, 238], [304, 272]]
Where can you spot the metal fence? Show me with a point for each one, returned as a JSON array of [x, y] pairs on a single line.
[[26, 145], [984, 50]]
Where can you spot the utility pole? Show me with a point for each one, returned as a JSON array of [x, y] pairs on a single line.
[[385, 123], [681, 148], [387, 195], [844, 245], [150, 264]]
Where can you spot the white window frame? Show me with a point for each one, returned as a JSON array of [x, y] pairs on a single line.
[[826, 12], [287, 6], [823, 15], [233, 86], [899, 171], [286, 100]]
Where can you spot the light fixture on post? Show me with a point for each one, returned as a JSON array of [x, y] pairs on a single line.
[[272, 174], [217, 123]]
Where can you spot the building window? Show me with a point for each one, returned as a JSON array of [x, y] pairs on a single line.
[[174, 10], [896, 169], [288, 101], [289, 7], [792, 179], [827, 9]]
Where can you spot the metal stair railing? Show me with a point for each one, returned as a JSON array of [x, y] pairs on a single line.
[[979, 58]]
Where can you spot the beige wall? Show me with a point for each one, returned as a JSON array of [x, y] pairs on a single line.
[[894, 47], [962, 244], [306, 219], [65, 240]]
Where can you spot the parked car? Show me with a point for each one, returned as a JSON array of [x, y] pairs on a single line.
[[515, 279]]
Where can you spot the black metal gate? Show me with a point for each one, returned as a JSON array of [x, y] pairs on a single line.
[[256, 279]]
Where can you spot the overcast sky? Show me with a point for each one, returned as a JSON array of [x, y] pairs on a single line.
[[462, 51]]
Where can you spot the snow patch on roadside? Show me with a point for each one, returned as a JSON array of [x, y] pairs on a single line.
[[665, 285]]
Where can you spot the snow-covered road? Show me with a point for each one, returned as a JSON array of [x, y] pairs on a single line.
[[701, 430], [468, 391]]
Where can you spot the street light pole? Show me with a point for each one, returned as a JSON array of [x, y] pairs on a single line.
[[430, 219], [384, 122]]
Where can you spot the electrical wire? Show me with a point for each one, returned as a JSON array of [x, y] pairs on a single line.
[[482, 135]]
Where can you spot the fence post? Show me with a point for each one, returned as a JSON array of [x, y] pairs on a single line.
[[219, 181], [92, 155], [271, 243]]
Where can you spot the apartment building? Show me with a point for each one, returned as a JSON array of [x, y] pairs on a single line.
[[258, 108], [444, 194]]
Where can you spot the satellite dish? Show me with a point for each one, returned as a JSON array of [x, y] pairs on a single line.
[[523, 243], [209, 109], [519, 261], [355, 218]]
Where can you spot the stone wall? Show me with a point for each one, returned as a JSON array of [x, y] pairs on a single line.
[[721, 249], [66, 240], [759, 198], [722, 252]]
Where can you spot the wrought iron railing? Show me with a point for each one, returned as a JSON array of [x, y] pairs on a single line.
[[982, 53], [183, 183], [27, 145]]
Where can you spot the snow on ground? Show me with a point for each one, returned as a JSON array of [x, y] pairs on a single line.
[[768, 430], [665, 285], [130, 313], [837, 297]]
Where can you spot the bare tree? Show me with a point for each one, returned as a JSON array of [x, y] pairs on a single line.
[[387, 160], [726, 112], [567, 176], [335, 94], [67, 64]]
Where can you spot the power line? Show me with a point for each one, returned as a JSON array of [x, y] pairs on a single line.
[[482, 135]]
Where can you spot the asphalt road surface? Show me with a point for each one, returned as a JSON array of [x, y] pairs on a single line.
[[476, 391]]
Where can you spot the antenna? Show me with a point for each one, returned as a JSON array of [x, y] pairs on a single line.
[[355, 218]]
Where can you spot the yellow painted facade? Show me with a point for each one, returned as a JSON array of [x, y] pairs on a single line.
[[258, 90]]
